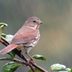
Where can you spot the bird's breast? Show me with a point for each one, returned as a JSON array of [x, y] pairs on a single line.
[[33, 42]]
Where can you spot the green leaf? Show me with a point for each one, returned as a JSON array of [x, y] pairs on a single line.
[[68, 69], [3, 35], [39, 57], [71, 70], [58, 67], [36, 70], [12, 54], [10, 67], [2, 26]]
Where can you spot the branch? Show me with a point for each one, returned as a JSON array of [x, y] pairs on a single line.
[[31, 64], [38, 67]]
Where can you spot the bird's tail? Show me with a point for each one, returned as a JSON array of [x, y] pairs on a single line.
[[8, 49]]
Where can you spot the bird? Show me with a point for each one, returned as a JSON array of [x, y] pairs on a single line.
[[26, 37]]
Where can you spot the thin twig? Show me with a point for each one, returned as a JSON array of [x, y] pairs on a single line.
[[15, 60], [3, 41]]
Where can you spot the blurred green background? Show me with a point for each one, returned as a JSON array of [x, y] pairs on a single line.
[[56, 32]]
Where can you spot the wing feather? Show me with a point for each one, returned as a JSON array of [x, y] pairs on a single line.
[[24, 35]]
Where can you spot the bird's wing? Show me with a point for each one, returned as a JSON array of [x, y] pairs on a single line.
[[24, 35]]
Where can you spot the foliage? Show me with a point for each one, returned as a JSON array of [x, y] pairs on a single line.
[[10, 67]]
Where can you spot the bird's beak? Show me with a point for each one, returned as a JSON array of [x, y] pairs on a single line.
[[41, 22]]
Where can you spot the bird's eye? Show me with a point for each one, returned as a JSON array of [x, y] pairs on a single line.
[[34, 21]]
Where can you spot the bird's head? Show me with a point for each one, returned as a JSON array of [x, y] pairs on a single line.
[[33, 22]]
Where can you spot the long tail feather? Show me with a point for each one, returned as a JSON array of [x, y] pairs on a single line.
[[8, 49]]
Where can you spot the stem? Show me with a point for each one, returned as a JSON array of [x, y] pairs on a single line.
[[15, 60]]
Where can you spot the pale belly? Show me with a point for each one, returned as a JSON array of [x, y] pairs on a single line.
[[33, 43]]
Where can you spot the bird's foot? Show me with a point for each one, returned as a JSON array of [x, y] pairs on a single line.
[[31, 60]]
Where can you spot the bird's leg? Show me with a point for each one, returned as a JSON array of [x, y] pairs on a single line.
[[27, 53], [30, 58]]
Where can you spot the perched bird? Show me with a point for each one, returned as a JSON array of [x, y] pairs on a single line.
[[26, 37]]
